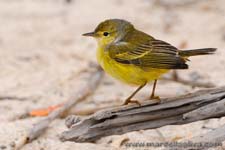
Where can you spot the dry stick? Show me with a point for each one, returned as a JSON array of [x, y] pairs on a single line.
[[14, 98], [190, 83], [77, 97], [173, 4], [179, 110]]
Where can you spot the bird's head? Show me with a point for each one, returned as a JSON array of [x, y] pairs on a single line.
[[110, 31]]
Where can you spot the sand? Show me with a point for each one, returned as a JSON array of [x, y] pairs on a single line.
[[42, 55]]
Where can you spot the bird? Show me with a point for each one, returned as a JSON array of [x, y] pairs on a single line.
[[135, 57]]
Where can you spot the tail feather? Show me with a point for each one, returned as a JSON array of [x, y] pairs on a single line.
[[196, 52]]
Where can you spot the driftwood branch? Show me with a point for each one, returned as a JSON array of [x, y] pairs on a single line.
[[200, 105], [77, 97]]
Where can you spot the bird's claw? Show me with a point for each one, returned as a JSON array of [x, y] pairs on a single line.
[[132, 101]]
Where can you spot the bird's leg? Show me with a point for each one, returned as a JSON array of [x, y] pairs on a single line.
[[153, 91], [128, 100]]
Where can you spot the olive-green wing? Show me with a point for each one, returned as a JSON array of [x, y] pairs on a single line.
[[151, 54]]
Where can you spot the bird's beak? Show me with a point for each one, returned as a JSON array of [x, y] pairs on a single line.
[[89, 34]]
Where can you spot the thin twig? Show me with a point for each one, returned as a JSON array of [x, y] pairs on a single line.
[[4, 97], [77, 97], [189, 82], [172, 4]]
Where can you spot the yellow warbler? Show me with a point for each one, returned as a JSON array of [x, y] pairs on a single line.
[[135, 57]]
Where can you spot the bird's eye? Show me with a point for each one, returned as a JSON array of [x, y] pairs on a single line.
[[105, 33]]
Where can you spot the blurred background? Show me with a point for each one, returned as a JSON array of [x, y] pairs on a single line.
[[44, 58]]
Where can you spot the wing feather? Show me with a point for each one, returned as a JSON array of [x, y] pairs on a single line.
[[153, 54]]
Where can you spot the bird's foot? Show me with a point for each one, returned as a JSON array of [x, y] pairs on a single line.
[[154, 98], [132, 101]]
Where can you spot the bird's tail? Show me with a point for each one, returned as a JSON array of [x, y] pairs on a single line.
[[196, 52]]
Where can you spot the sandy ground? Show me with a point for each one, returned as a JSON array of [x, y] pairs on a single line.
[[42, 55]]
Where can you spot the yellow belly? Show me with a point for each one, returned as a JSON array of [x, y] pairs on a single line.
[[127, 73]]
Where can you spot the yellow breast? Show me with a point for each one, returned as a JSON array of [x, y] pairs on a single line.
[[127, 73]]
